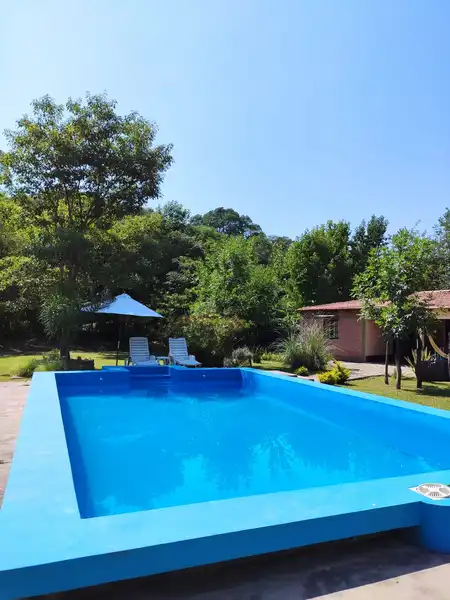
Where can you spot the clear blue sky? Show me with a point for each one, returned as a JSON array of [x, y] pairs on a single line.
[[292, 111]]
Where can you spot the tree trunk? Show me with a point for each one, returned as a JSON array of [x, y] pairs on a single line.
[[64, 352], [419, 360], [398, 364], [448, 350], [386, 364]]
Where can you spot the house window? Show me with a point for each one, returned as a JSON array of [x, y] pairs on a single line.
[[332, 328]]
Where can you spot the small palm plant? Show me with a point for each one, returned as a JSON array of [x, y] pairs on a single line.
[[59, 315], [412, 360]]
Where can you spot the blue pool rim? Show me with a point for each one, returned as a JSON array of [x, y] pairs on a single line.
[[47, 547]]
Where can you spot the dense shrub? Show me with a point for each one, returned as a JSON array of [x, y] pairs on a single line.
[[27, 369], [302, 371], [211, 338], [257, 352], [328, 377], [242, 356], [48, 362], [337, 376], [51, 362], [341, 373], [229, 362], [270, 356], [307, 346]]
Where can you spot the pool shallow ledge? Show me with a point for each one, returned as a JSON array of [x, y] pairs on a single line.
[[47, 547]]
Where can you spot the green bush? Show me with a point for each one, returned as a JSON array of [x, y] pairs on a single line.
[[302, 371], [51, 356], [211, 338], [257, 352], [27, 369], [50, 362], [269, 356], [229, 362], [328, 377], [337, 376], [341, 373], [306, 345], [242, 356]]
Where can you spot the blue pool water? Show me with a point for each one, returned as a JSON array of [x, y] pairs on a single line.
[[140, 449]]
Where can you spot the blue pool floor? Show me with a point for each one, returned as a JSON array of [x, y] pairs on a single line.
[[138, 450]]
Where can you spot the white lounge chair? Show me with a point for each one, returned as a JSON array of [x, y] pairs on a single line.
[[139, 353], [179, 354]]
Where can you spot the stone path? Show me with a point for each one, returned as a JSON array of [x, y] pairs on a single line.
[[380, 568], [363, 370]]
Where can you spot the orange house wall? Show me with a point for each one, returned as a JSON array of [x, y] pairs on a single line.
[[358, 339], [349, 345], [375, 345]]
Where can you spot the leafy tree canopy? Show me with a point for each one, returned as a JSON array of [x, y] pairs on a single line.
[[388, 287], [366, 237], [228, 221], [76, 164], [76, 226]]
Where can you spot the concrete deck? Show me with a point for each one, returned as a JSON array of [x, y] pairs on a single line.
[[381, 568], [12, 400], [362, 370]]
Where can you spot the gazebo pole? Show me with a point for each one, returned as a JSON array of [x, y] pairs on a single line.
[[419, 369], [119, 335]]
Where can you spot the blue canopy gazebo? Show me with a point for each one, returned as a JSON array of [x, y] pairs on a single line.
[[124, 305]]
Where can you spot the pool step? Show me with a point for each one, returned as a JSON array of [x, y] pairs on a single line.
[[149, 377], [142, 381]]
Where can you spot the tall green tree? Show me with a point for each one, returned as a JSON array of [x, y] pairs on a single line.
[[442, 236], [228, 221], [76, 168], [175, 215], [365, 238], [319, 264], [233, 282], [388, 288]]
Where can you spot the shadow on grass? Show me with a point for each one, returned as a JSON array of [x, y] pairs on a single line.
[[110, 355], [13, 352], [271, 366], [434, 390]]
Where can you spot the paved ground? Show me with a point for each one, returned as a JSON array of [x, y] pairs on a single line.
[[363, 370], [380, 568], [360, 370], [383, 568], [12, 401]]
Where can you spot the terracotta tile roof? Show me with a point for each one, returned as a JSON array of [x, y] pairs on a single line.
[[435, 298], [348, 305]]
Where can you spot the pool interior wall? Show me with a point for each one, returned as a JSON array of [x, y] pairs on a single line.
[[141, 447], [47, 546]]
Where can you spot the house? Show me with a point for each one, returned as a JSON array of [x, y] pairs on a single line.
[[358, 339]]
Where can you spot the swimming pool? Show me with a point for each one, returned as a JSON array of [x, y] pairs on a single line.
[[128, 472]]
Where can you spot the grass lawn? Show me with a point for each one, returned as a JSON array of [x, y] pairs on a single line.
[[270, 365], [436, 395], [11, 362]]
